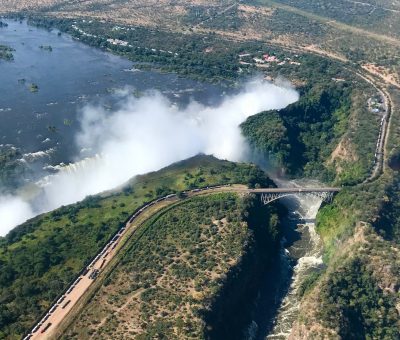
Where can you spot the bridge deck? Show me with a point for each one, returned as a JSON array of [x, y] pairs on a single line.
[[291, 190]]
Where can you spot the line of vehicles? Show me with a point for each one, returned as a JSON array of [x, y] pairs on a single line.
[[382, 129], [94, 272], [60, 304], [138, 212], [378, 143]]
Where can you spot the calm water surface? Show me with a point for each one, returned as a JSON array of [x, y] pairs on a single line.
[[69, 77]]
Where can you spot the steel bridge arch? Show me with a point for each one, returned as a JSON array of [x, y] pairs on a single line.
[[267, 198]]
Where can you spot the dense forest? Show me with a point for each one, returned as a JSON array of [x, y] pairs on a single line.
[[358, 289], [356, 295], [301, 137], [388, 223], [199, 55], [353, 299], [157, 49], [304, 139]]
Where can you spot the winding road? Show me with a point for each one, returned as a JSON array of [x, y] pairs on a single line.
[[380, 151], [51, 321]]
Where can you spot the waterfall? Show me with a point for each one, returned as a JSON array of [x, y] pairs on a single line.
[[86, 165]]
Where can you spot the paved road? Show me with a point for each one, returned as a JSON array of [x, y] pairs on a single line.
[[48, 324], [63, 306], [380, 149], [290, 190], [45, 328]]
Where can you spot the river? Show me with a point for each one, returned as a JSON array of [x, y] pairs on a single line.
[[302, 255], [277, 306], [43, 124]]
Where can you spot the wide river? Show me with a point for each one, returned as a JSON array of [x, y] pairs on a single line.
[[69, 77]]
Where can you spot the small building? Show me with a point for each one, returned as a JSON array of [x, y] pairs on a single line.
[[243, 55], [259, 61]]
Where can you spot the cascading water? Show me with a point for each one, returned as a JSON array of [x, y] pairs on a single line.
[[301, 253], [86, 165], [304, 255]]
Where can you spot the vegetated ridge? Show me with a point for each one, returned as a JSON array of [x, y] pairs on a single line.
[[42, 256], [192, 273]]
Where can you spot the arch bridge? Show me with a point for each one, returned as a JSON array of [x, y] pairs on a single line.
[[269, 195]]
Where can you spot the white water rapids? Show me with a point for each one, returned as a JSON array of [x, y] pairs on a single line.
[[301, 254], [308, 253]]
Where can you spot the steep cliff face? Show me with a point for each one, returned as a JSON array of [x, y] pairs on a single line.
[[358, 297], [231, 309], [192, 271]]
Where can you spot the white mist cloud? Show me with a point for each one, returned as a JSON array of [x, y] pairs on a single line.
[[149, 133], [13, 211]]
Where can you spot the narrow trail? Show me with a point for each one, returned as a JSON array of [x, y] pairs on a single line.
[[64, 306], [226, 9], [380, 160], [120, 309], [70, 302], [49, 323], [374, 7]]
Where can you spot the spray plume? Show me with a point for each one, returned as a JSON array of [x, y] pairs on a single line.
[[145, 135]]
